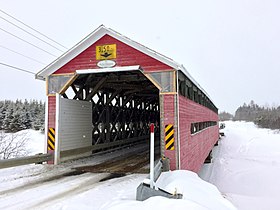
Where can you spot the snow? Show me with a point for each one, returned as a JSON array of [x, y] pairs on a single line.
[[35, 143], [120, 193], [244, 171], [246, 166], [197, 194], [47, 187], [86, 192]]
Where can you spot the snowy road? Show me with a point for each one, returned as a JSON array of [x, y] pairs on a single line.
[[42, 186], [41, 195], [246, 167], [63, 190]]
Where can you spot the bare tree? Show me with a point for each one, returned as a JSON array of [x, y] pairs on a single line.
[[13, 144]]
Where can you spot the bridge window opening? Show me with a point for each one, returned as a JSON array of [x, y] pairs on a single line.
[[56, 83], [199, 126], [165, 81], [189, 90]]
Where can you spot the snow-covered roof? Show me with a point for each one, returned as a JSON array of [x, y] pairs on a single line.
[[96, 35]]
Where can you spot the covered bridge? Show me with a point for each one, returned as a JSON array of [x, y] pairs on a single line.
[[107, 89]]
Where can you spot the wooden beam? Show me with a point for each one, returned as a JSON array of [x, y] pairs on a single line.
[[64, 95], [96, 88], [124, 85], [82, 87], [78, 94], [113, 96], [74, 88], [128, 99]]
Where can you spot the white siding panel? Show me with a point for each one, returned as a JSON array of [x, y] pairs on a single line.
[[75, 126]]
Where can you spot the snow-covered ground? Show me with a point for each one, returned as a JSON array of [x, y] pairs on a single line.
[[246, 167], [85, 191], [35, 143], [22, 143], [54, 187]]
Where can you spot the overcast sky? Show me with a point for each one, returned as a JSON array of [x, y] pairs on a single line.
[[231, 48]]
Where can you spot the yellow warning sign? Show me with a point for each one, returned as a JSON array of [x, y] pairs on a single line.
[[51, 139], [169, 137], [106, 52]]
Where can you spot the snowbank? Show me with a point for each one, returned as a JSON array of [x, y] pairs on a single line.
[[22, 143], [246, 166], [197, 194], [36, 141]]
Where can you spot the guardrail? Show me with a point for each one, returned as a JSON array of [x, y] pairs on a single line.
[[7, 163]]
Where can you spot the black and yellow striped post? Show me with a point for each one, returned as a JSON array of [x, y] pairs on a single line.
[[169, 137], [51, 139]]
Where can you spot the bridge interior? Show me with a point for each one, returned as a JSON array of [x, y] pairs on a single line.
[[123, 106]]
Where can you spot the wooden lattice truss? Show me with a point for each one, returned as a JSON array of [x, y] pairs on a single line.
[[123, 104]]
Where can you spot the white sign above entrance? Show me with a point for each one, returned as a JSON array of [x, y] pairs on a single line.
[[106, 64]]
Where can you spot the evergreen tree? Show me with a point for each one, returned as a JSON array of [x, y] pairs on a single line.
[[25, 119], [8, 117], [5, 107], [14, 125], [265, 116], [18, 115], [2, 114]]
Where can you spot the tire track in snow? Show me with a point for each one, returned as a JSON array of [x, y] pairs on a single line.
[[73, 191], [51, 192], [49, 176], [35, 183]]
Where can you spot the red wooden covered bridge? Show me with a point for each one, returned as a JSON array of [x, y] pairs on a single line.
[[107, 89]]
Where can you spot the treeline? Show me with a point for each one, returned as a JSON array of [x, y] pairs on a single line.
[[223, 116], [265, 117], [20, 115]]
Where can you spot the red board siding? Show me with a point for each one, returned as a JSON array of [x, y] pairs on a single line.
[[169, 118], [51, 111], [195, 148], [126, 56]]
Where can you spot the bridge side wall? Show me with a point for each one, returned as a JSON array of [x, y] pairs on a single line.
[[194, 148]]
